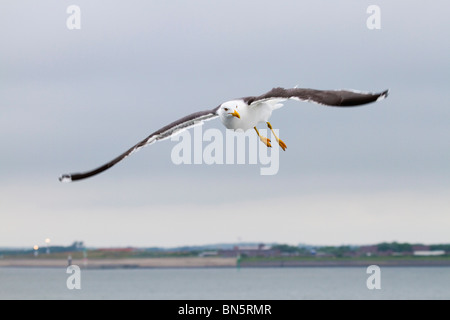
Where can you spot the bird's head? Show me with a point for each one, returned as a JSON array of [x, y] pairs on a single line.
[[228, 110]]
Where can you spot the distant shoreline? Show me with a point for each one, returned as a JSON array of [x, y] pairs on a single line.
[[218, 262], [356, 263], [128, 263]]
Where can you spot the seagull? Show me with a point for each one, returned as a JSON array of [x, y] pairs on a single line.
[[244, 114]]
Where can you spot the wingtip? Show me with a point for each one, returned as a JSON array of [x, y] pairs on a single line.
[[65, 178], [383, 95]]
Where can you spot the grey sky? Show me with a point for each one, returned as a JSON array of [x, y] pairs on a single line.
[[71, 100]]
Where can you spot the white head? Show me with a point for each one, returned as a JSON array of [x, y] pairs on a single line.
[[229, 114]]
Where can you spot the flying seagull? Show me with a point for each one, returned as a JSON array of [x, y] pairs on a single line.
[[243, 114]]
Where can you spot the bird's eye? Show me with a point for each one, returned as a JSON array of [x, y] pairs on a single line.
[[226, 109]]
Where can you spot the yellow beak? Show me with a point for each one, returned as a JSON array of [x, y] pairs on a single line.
[[235, 114]]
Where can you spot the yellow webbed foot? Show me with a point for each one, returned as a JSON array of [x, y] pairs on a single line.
[[266, 141], [282, 144]]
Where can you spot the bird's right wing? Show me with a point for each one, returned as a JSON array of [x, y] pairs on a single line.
[[163, 133]]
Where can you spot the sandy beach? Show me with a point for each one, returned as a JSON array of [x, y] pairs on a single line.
[[124, 263], [204, 262]]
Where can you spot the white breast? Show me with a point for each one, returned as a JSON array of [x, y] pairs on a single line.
[[250, 116]]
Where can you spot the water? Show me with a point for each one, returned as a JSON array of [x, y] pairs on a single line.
[[226, 283]]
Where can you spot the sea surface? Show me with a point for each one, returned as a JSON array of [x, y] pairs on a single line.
[[226, 283]]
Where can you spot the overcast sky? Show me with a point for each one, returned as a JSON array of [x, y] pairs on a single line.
[[71, 100]]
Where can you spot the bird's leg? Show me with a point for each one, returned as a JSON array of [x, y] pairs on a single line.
[[264, 140], [280, 142]]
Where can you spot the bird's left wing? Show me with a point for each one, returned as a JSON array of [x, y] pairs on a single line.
[[336, 98], [163, 133]]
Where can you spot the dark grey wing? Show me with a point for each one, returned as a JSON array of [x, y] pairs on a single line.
[[337, 98], [163, 133]]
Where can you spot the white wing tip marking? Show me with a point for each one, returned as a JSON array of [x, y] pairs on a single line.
[[65, 178], [383, 95]]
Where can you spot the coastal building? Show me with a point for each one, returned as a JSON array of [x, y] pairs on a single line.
[[429, 253]]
